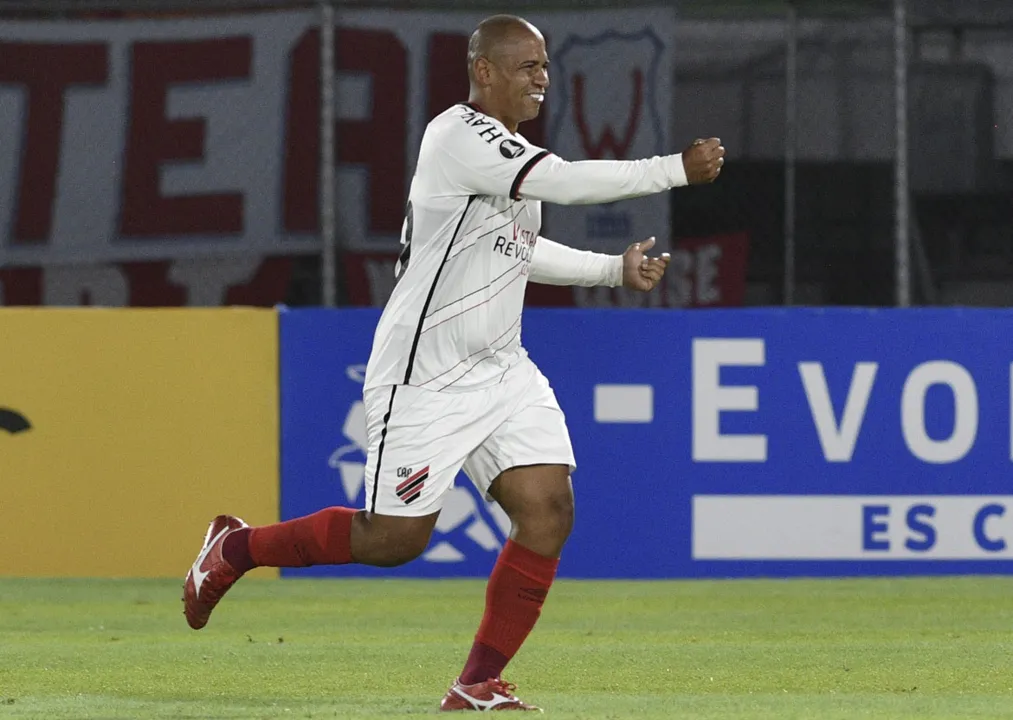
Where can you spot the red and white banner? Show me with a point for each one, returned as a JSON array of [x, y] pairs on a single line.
[[705, 272], [193, 145], [144, 162]]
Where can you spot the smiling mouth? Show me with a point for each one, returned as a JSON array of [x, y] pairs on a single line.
[[537, 97]]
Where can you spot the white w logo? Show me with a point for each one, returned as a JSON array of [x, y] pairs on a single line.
[[608, 104], [595, 150]]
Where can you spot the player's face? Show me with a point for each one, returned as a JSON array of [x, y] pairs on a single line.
[[521, 78]]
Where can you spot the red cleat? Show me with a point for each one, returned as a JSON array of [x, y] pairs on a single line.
[[211, 576], [492, 694]]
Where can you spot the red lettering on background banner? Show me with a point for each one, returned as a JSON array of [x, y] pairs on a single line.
[[153, 139], [378, 142], [714, 269], [448, 77], [46, 71], [267, 287], [150, 286], [21, 286], [144, 284]]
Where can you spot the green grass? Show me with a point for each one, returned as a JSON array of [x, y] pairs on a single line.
[[830, 649]]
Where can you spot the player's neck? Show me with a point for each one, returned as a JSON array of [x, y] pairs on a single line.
[[489, 108]]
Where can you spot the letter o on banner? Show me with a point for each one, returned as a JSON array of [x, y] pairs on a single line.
[[965, 421]]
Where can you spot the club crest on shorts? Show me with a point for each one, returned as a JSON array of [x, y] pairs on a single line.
[[409, 489], [470, 529]]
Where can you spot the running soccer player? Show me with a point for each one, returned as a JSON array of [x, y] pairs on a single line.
[[448, 384]]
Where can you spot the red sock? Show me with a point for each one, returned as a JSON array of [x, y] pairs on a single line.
[[513, 601], [323, 538]]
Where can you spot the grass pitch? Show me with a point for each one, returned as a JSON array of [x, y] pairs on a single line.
[[881, 648]]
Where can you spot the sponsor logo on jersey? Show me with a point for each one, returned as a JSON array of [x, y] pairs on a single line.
[[522, 246]]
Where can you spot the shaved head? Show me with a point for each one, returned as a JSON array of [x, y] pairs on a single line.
[[495, 32], [508, 69]]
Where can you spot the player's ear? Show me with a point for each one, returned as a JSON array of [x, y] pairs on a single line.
[[482, 69]]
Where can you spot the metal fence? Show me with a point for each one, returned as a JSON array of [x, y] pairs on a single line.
[[870, 149], [879, 129]]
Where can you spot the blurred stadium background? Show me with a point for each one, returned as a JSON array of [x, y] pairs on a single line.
[[200, 206], [810, 98]]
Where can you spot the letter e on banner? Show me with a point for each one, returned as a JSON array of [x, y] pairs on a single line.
[[711, 398], [154, 139]]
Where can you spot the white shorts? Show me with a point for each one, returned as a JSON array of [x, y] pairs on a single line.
[[420, 439]]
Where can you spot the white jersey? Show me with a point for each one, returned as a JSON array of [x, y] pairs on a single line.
[[453, 321]]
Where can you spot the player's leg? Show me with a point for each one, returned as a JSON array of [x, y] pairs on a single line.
[[418, 441], [525, 466], [332, 536], [405, 428], [539, 502], [538, 499]]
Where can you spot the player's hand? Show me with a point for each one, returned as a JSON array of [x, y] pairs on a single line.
[[703, 161], [641, 272]]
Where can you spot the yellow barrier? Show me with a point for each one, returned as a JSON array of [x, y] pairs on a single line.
[[144, 425]]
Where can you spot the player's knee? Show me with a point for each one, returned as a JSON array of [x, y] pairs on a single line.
[[400, 550], [389, 542], [559, 509], [550, 516]]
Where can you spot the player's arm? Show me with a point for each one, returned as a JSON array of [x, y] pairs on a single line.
[[555, 180], [475, 155], [555, 264]]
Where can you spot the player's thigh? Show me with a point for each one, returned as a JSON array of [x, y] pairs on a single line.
[[417, 443], [533, 435], [536, 497]]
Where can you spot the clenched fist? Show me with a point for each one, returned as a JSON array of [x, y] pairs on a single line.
[[703, 160]]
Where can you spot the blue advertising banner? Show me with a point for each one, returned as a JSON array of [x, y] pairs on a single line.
[[716, 443], [323, 446]]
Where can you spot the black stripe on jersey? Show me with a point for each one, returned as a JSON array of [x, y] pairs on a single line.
[[511, 221], [523, 173], [461, 362], [488, 357], [478, 290], [507, 209], [429, 297], [464, 239], [379, 452], [480, 304]]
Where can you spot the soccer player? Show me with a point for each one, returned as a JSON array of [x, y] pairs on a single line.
[[448, 384]]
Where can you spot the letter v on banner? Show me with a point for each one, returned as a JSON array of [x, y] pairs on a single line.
[[610, 99], [838, 439]]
